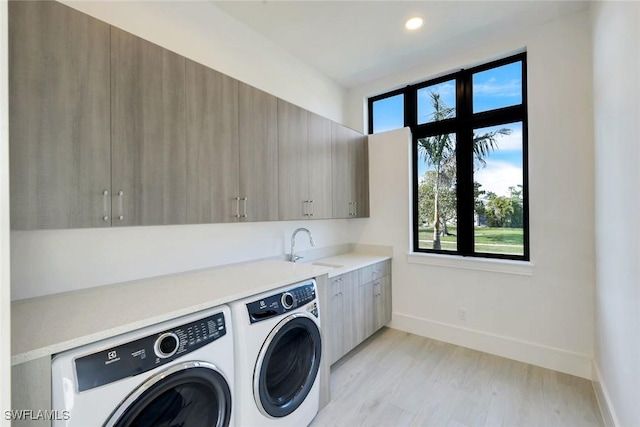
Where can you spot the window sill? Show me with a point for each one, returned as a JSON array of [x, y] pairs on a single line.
[[520, 268]]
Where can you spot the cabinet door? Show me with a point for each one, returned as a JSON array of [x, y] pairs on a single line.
[[342, 172], [350, 316], [319, 149], [334, 323], [365, 310], [212, 145], [258, 121], [382, 302], [350, 172], [293, 162], [359, 161], [58, 117], [148, 132]]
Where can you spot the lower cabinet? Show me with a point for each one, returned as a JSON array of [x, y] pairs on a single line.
[[358, 307]]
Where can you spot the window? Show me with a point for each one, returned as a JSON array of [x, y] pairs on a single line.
[[469, 158]]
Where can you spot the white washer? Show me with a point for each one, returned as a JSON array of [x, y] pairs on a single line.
[[278, 351], [180, 372]]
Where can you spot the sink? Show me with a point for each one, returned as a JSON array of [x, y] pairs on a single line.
[[326, 264]]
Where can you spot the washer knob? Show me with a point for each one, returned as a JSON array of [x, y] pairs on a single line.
[[166, 345], [287, 300]]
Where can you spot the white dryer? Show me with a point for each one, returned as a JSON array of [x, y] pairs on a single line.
[[178, 373], [278, 351]]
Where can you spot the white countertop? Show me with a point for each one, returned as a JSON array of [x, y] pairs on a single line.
[[345, 263], [47, 325]]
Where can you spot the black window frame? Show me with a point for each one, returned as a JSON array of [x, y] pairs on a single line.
[[463, 125]]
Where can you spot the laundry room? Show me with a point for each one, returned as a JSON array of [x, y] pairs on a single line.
[[325, 213]]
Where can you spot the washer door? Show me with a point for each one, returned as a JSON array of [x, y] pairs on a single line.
[[287, 366], [190, 394]]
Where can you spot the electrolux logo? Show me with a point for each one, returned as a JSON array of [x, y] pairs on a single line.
[[36, 415], [112, 356]]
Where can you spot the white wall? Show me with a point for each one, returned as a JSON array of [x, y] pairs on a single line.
[[45, 262], [548, 318], [616, 68], [5, 285]]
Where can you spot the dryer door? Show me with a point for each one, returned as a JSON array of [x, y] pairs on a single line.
[[190, 394], [287, 366]]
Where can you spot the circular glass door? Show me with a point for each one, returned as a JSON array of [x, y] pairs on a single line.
[[287, 366], [191, 394]]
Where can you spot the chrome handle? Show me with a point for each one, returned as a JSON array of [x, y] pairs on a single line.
[[350, 205], [105, 205], [311, 204], [305, 208], [244, 200], [237, 207], [355, 208], [120, 197]]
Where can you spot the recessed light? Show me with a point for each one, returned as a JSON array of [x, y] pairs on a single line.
[[413, 23]]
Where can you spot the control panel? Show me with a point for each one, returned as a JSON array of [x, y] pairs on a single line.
[[147, 353], [282, 302]]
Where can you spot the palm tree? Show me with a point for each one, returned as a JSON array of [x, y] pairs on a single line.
[[439, 151]]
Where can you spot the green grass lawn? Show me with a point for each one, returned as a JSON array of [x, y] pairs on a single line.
[[487, 239]]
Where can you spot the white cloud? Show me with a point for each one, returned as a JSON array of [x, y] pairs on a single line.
[[492, 88], [511, 142], [444, 89], [497, 177]]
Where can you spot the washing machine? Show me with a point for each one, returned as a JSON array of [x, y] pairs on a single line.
[[278, 349], [178, 373]]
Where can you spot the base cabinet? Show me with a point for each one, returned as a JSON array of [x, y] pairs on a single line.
[[342, 322], [359, 305]]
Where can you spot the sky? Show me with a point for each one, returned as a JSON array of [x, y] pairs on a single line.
[[494, 88]]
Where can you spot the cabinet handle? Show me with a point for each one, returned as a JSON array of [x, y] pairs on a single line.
[[350, 204], [237, 207], [355, 208], [120, 197], [105, 205], [305, 208], [311, 204], [244, 204]]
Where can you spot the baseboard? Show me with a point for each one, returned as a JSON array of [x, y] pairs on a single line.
[[602, 396], [535, 354]]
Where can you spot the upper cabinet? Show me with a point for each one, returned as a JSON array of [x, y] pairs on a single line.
[[258, 133], [304, 152], [148, 148], [319, 143], [350, 175], [107, 129], [212, 146], [58, 117]]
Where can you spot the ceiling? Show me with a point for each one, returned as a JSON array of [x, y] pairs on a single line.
[[354, 42]]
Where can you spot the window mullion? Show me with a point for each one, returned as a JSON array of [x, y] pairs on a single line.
[[464, 166]]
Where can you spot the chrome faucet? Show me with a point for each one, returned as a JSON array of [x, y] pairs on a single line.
[[295, 257]]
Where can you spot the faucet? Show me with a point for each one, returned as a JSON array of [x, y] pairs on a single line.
[[295, 257]]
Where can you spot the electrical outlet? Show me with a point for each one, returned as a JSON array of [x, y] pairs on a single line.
[[462, 313]]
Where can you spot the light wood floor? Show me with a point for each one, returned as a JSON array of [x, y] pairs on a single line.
[[399, 379]]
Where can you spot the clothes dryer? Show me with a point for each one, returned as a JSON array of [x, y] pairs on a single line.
[[278, 350]]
